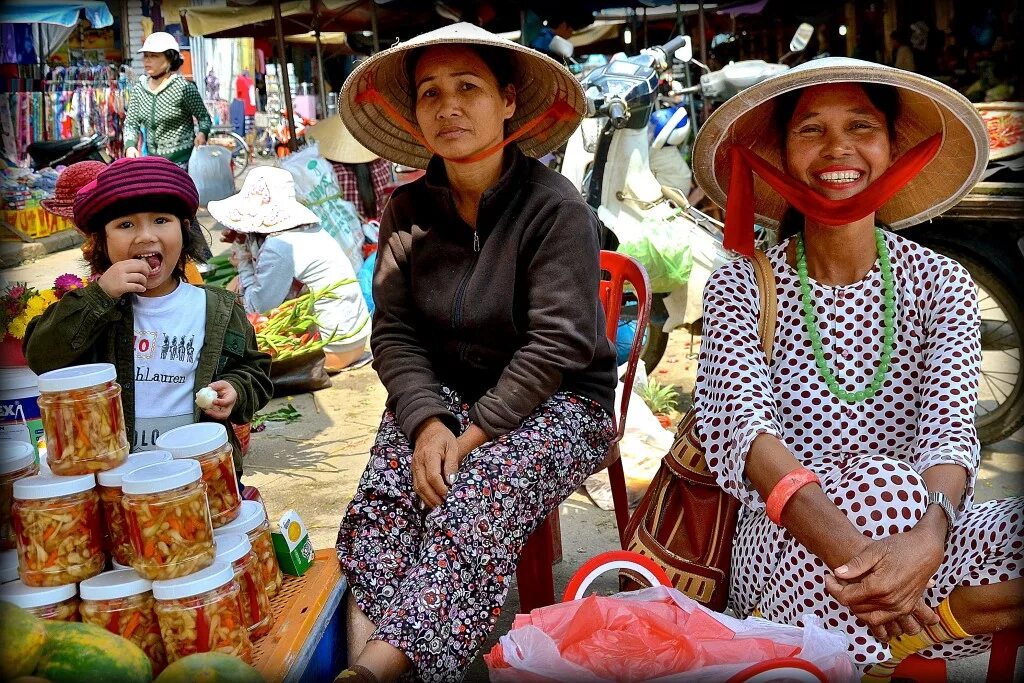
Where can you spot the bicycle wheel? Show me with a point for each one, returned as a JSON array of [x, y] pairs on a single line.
[[238, 147]]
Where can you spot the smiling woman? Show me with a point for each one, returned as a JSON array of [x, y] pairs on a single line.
[[854, 451]]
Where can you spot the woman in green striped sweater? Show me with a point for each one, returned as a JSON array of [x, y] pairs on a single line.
[[165, 105]]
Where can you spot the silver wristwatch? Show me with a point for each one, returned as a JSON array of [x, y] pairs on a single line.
[[940, 499]]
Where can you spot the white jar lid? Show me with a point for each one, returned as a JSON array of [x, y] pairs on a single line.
[[77, 377], [119, 583], [214, 576], [112, 478], [27, 597], [231, 547], [117, 565], [8, 566], [40, 486], [250, 516], [162, 476], [194, 439], [15, 455]]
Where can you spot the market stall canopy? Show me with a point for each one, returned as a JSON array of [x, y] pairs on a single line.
[[60, 12], [257, 20]]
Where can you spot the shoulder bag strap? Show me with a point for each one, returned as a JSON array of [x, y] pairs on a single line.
[[769, 301]]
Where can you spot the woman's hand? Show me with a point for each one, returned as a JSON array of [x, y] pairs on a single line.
[[884, 583], [225, 401], [125, 277], [200, 139], [131, 152], [435, 458]]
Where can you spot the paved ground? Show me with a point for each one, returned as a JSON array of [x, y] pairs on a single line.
[[314, 465]]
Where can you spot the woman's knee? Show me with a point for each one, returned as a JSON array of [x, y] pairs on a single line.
[[880, 496]]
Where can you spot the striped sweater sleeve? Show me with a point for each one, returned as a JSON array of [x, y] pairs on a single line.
[[133, 118]]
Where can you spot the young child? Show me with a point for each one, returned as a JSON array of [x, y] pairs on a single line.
[[167, 338]]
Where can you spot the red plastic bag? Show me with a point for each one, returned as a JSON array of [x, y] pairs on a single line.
[[653, 634]]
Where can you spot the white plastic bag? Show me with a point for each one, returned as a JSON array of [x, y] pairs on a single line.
[[317, 187], [644, 443], [210, 169], [533, 649]]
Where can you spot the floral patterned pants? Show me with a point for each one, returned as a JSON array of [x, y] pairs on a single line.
[[434, 581]]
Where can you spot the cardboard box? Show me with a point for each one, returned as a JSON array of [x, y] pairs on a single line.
[[292, 546]]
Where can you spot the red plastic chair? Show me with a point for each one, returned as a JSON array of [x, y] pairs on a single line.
[[1001, 663], [535, 580]]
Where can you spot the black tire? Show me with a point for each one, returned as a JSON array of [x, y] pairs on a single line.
[[996, 420], [654, 349]]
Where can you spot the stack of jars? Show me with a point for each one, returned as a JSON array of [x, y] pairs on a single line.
[[152, 515]]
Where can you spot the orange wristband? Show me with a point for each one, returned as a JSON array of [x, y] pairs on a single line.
[[784, 490]]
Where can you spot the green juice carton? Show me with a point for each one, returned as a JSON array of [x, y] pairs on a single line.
[[292, 546]]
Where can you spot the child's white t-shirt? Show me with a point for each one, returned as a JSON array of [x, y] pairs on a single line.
[[169, 335]]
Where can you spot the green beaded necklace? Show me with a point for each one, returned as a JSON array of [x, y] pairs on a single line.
[[812, 323]]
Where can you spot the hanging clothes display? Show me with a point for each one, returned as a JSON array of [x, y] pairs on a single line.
[[70, 102]]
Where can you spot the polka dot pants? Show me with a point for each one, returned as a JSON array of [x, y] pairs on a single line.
[[434, 581], [881, 496]]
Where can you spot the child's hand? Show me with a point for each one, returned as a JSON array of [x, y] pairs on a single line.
[[225, 401], [124, 277]]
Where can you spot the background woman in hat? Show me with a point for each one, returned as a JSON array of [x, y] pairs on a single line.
[[167, 339], [285, 250], [488, 336], [361, 174], [165, 105], [854, 454]]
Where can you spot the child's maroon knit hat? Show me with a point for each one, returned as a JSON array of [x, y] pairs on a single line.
[[135, 185]]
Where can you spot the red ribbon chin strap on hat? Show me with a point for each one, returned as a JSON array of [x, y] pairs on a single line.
[[739, 212], [559, 110]]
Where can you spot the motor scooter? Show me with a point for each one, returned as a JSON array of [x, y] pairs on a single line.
[[53, 153]]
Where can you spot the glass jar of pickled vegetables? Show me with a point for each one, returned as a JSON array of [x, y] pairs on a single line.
[[208, 443], [122, 602], [8, 566], [17, 461], [236, 550], [201, 613], [168, 519], [82, 419], [116, 541], [58, 529], [56, 603], [252, 521]]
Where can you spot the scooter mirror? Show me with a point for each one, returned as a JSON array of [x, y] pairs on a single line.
[[685, 52], [802, 36]]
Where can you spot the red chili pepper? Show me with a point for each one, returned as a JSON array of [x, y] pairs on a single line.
[[202, 631], [134, 532], [254, 607], [115, 622], [228, 475]]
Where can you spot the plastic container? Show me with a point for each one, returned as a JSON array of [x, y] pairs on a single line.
[[201, 613], [57, 603], [17, 461], [252, 521], [8, 566], [207, 442], [122, 602], [58, 529], [168, 519], [19, 406], [236, 550], [83, 419], [116, 541]]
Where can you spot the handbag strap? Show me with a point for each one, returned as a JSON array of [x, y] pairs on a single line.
[[766, 320]]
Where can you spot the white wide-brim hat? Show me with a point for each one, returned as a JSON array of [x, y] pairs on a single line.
[[337, 143], [926, 107], [265, 204], [541, 83]]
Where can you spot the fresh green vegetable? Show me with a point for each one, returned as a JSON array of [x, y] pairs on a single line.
[[292, 328], [288, 414]]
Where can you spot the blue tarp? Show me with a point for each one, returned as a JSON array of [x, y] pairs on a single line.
[[61, 12]]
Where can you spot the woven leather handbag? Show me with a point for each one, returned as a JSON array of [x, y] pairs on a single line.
[[685, 522]]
